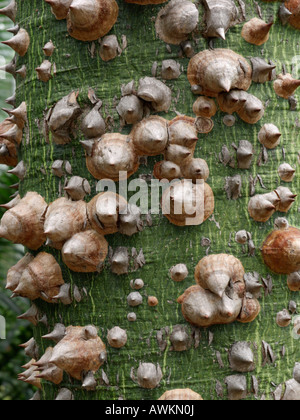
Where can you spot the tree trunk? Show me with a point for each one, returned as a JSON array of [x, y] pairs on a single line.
[[79, 68]]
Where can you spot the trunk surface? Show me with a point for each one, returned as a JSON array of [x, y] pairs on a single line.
[[79, 67]]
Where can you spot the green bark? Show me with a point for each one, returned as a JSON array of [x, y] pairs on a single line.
[[163, 244]]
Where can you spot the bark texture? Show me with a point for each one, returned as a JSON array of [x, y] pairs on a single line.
[[79, 67]]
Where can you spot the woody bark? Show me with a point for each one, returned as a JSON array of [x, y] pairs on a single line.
[[80, 68]]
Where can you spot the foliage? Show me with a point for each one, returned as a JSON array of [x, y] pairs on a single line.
[[11, 356], [17, 332]]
